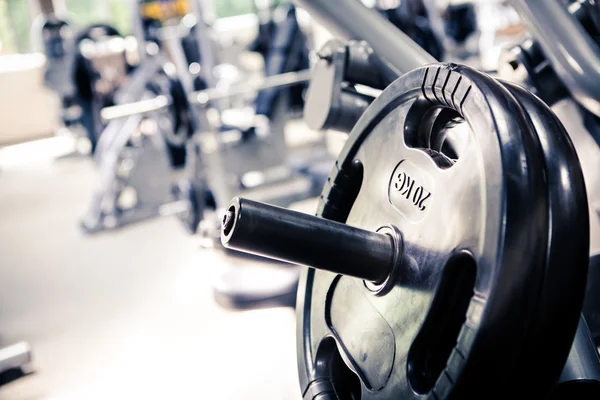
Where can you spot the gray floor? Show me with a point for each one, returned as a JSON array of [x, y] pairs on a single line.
[[128, 314]]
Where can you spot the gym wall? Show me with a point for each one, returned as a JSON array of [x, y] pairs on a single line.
[[28, 110]]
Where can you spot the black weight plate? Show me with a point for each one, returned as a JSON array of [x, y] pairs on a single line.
[[181, 108], [563, 291], [475, 232], [179, 127]]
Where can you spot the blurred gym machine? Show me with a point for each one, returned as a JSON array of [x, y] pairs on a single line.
[[460, 25], [256, 160], [412, 17], [284, 48], [142, 157], [234, 159], [58, 41], [81, 82], [14, 360], [441, 28]]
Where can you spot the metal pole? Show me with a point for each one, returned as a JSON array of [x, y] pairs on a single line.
[[350, 19], [138, 108], [273, 81], [46, 7], [203, 96], [208, 51], [581, 373], [138, 29]]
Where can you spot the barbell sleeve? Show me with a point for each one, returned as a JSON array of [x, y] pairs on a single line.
[[202, 97], [303, 239], [141, 107], [273, 81]]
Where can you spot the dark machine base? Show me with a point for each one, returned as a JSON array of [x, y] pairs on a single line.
[[254, 284], [13, 362]]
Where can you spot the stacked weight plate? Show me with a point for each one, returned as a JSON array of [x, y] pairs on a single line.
[[476, 292], [489, 296]]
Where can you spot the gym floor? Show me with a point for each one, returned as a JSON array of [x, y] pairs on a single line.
[[127, 314]]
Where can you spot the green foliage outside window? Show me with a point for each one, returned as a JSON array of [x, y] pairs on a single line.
[[16, 17], [7, 40], [16, 20], [15, 25], [230, 8], [120, 11], [114, 12]]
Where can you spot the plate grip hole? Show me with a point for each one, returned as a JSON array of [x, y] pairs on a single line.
[[331, 367], [435, 130], [433, 345]]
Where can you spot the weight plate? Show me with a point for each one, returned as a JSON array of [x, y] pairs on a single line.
[[568, 244], [475, 231], [180, 107], [176, 126]]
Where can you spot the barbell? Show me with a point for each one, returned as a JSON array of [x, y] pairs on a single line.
[[202, 97]]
